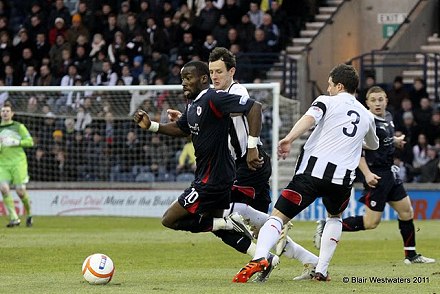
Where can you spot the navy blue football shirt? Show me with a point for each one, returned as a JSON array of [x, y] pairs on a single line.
[[207, 119]]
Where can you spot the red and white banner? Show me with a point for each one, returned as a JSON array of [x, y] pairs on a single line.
[[145, 203]]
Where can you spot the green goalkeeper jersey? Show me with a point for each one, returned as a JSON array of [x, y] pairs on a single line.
[[13, 155]]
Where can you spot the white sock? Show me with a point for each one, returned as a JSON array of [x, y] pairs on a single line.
[[255, 217], [268, 236], [220, 223], [330, 238], [251, 250], [296, 251]]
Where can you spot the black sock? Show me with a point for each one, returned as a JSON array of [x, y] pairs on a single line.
[[409, 237], [234, 239], [353, 224], [195, 224]]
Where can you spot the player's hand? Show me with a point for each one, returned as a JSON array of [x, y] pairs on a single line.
[[284, 148], [399, 142], [372, 180], [173, 115], [142, 119], [254, 162]]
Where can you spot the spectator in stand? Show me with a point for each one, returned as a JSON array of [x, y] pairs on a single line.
[[148, 75], [23, 43], [116, 47], [433, 130], [271, 33], [58, 29], [255, 14], [136, 46], [420, 151], [220, 31], [108, 77], [130, 152], [209, 44], [232, 12], [127, 78], [66, 61], [36, 10], [137, 67], [157, 155], [40, 160], [423, 114], [75, 30], [83, 119], [409, 128], [418, 92], [42, 47], [46, 78], [59, 11], [246, 30], [46, 130], [5, 42], [123, 14], [131, 27], [98, 44], [87, 18], [144, 12], [82, 62], [430, 171], [10, 76], [279, 18], [97, 63], [207, 19], [195, 6], [171, 36], [396, 94], [110, 29], [63, 170], [174, 76], [257, 47], [233, 38], [160, 63], [96, 158], [154, 37], [36, 27], [56, 55], [405, 106], [27, 59], [242, 72], [166, 10], [101, 17], [31, 75], [188, 48]]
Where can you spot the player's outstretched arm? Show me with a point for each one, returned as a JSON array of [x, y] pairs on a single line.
[[254, 115], [301, 126], [173, 115], [171, 129]]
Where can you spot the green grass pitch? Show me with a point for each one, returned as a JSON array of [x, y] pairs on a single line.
[[47, 258]]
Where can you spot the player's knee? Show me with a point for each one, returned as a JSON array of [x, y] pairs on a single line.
[[20, 189], [371, 224], [406, 214], [167, 222]]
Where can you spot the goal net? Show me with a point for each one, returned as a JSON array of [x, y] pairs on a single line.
[[86, 133]]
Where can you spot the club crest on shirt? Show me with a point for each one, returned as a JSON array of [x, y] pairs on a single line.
[[199, 110], [373, 203]]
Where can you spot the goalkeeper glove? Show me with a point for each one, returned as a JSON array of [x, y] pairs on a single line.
[[9, 142]]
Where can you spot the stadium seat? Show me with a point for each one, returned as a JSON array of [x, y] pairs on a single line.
[[137, 169], [166, 177], [145, 177], [185, 177]]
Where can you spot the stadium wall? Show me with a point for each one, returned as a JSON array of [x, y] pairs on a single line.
[[145, 202]]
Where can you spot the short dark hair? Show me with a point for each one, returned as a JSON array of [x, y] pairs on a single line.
[[200, 66], [375, 89], [223, 54], [8, 104], [346, 75]]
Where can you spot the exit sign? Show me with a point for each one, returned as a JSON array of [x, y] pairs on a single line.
[[391, 18]]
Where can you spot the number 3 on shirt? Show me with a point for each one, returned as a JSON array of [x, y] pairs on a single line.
[[356, 120]]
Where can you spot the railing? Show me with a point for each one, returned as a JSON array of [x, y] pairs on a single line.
[[378, 59]]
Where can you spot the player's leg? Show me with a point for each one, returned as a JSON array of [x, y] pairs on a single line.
[[20, 179], [8, 202], [335, 200], [406, 226]]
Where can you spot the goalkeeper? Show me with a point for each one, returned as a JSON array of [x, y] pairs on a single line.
[[13, 164]]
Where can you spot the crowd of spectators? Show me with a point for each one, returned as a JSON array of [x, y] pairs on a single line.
[[85, 135]]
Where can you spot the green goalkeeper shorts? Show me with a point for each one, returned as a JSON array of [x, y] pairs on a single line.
[[14, 175]]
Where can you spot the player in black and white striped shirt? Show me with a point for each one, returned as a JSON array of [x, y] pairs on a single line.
[[325, 168]]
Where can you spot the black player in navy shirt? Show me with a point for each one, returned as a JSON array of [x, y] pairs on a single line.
[[382, 184], [207, 119]]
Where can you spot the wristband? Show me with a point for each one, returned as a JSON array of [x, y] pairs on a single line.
[[154, 127], [252, 142]]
